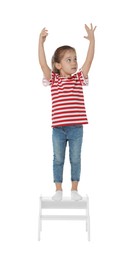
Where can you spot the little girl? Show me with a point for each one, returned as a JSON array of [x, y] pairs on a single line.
[[68, 107]]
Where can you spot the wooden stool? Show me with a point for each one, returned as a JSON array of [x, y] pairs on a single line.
[[66, 203]]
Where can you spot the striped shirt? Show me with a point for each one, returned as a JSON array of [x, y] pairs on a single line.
[[68, 106]]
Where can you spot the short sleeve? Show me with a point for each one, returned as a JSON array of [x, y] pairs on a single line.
[[53, 78], [84, 81]]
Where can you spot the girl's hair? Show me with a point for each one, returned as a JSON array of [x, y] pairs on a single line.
[[58, 55]]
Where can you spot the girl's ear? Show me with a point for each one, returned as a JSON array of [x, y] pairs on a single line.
[[57, 65]]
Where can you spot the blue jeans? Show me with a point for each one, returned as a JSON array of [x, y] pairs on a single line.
[[61, 135]]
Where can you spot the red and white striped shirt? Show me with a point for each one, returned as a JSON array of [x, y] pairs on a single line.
[[68, 106]]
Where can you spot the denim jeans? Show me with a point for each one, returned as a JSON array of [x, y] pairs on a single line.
[[61, 135]]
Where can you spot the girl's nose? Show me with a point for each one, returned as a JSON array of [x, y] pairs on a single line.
[[74, 61]]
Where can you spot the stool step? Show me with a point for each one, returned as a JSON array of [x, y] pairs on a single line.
[[66, 203], [63, 217]]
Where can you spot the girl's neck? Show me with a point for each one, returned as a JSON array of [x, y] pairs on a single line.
[[64, 75]]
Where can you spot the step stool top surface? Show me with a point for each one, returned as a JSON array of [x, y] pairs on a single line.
[[66, 202]]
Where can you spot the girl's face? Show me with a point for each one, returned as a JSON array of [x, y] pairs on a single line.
[[68, 64]]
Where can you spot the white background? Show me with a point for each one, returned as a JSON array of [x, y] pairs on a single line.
[[25, 130]]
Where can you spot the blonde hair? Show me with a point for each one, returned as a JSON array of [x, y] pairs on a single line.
[[58, 55]]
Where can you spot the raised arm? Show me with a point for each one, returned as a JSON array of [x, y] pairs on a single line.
[[90, 53], [41, 54]]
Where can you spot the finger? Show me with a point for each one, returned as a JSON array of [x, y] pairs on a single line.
[[86, 27], [94, 28], [44, 29], [86, 37]]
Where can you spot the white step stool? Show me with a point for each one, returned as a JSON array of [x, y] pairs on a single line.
[[66, 203]]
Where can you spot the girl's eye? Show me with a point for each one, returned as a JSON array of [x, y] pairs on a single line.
[[68, 60]]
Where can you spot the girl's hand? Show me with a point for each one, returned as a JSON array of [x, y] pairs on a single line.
[[90, 32], [43, 35]]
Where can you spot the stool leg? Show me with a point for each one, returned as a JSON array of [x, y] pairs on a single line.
[[88, 224], [40, 221]]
